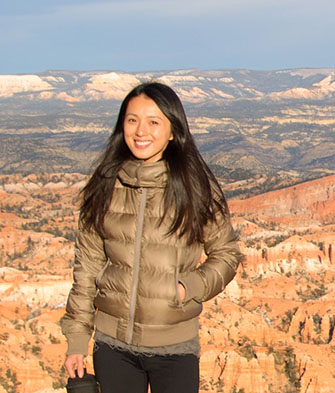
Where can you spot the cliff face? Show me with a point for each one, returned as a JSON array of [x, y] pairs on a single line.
[[312, 201], [271, 330]]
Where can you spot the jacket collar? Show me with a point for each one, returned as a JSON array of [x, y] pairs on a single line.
[[137, 173]]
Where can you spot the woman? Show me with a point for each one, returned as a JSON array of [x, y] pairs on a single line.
[[149, 210]]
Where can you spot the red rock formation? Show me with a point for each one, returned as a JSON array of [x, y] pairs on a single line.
[[272, 330]]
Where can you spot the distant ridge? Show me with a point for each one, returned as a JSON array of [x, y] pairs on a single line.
[[245, 122]]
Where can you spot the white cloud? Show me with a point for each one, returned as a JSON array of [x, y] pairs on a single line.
[[79, 11], [165, 8], [182, 8]]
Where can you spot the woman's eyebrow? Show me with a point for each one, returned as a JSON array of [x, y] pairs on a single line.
[[151, 116]]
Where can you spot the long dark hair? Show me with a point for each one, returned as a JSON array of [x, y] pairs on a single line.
[[191, 188]]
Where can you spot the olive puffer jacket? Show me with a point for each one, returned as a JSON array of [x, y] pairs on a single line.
[[126, 283]]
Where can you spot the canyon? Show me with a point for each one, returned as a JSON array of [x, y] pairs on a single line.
[[271, 330], [269, 138]]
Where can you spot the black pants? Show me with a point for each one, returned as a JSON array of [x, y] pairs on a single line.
[[123, 372]]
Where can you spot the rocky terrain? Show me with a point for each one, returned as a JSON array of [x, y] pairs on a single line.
[[271, 331], [268, 136], [244, 122]]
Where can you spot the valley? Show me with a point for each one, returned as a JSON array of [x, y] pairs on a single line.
[[260, 121]]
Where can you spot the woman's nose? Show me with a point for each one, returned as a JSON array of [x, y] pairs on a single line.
[[141, 129]]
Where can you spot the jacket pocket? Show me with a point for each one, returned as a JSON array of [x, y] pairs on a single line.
[[176, 302], [102, 272]]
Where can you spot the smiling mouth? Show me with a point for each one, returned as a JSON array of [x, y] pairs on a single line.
[[142, 143]]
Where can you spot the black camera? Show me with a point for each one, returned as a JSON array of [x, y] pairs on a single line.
[[86, 384]]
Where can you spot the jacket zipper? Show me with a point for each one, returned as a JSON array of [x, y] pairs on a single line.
[[136, 271]]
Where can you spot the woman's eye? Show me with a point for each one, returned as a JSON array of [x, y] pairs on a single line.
[[131, 120], [154, 122]]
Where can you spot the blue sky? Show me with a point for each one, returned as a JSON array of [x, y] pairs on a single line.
[[146, 35]]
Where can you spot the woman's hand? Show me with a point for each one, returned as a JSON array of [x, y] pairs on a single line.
[[75, 362], [181, 292]]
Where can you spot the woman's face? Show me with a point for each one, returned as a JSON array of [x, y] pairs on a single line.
[[147, 131]]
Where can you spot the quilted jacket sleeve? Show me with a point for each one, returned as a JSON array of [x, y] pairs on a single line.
[[223, 258], [77, 323]]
